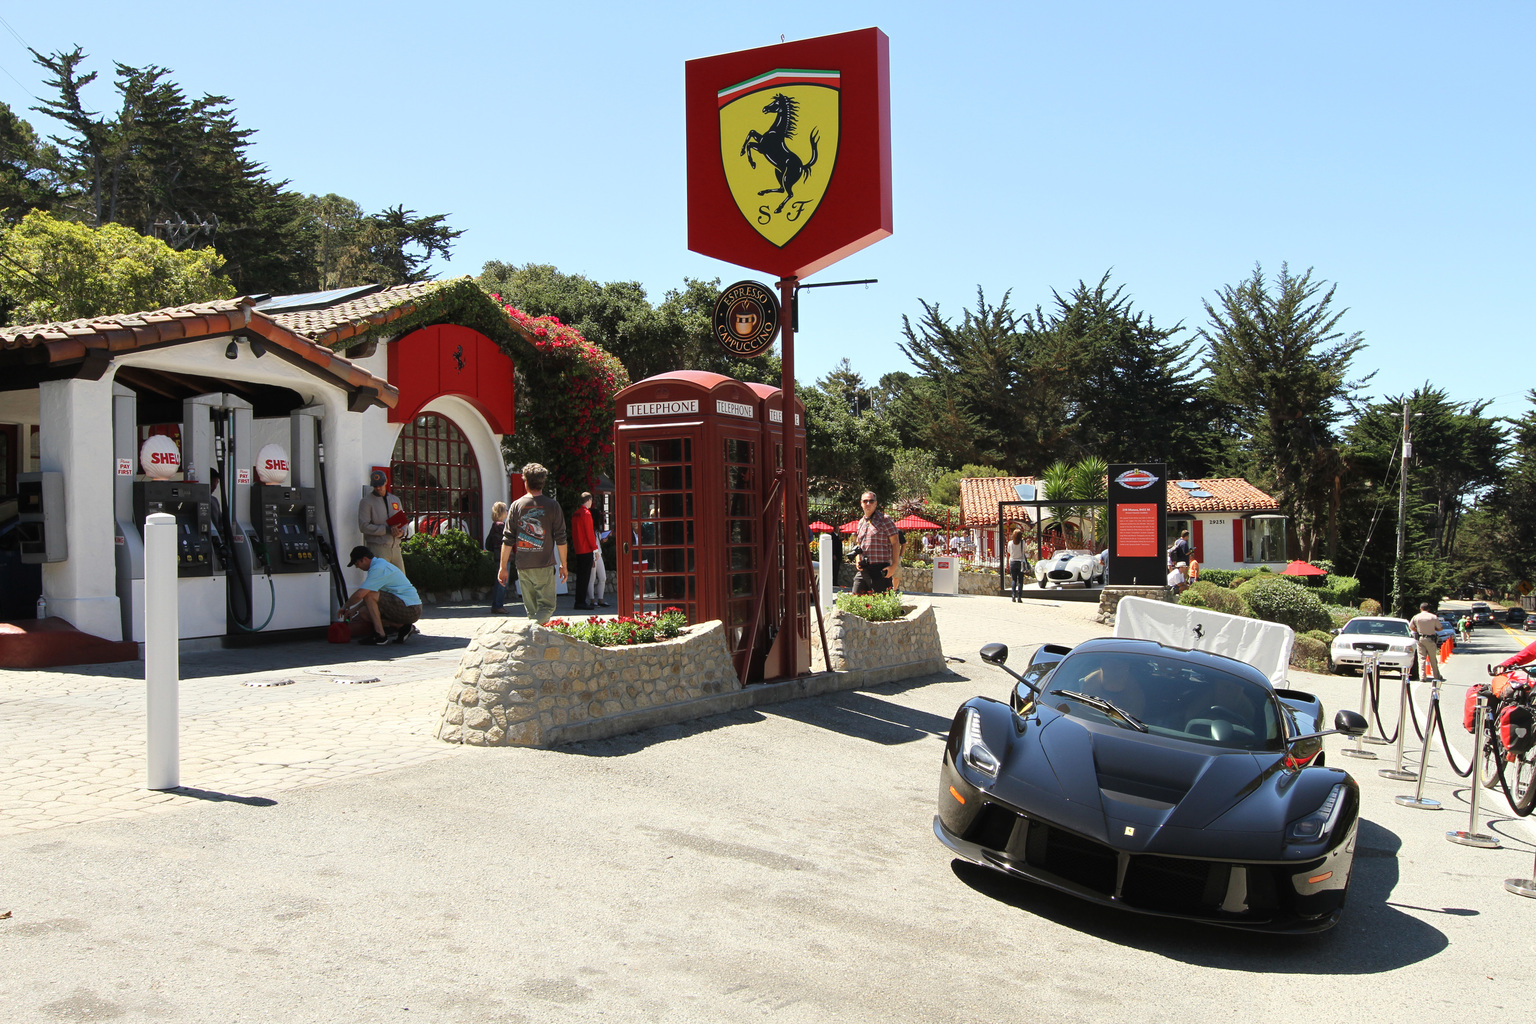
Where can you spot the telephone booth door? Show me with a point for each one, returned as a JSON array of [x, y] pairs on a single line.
[[789, 589], [688, 449], [663, 556]]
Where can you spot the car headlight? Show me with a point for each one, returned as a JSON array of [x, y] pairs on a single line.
[[973, 749], [1318, 826]]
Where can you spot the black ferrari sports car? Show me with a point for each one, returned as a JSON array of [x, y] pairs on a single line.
[[1156, 779]]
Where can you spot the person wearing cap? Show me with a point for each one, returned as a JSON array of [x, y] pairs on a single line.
[[386, 596], [373, 515], [1176, 577]]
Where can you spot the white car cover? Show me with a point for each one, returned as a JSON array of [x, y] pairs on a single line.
[[1264, 645]]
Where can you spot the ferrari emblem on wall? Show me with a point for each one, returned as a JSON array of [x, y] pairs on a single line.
[[778, 144]]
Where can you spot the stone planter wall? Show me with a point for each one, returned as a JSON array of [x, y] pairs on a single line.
[[920, 581], [1109, 599], [882, 651], [519, 684]]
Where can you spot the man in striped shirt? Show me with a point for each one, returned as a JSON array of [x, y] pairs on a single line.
[[879, 559]]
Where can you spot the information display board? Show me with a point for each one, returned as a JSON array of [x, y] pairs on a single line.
[[1138, 512]]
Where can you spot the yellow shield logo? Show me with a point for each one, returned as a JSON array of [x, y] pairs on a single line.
[[778, 143]]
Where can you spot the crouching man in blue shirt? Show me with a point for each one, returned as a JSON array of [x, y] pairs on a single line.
[[388, 597]]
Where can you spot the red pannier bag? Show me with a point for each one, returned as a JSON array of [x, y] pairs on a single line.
[[1517, 730], [1469, 710]]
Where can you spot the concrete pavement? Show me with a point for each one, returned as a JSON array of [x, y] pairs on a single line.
[[774, 863]]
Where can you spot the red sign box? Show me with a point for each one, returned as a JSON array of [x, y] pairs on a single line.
[[1136, 531], [789, 152]]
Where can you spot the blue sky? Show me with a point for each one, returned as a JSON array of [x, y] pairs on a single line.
[[1388, 146]]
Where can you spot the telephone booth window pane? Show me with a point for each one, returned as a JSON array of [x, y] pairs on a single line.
[[739, 531], [741, 558], [738, 478], [674, 588], [673, 560], [674, 478], [743, 584], [675, 532], [739, 506], [675, 506], [738, 451]]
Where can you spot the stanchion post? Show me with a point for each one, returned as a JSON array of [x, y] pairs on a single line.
[[1399, 772], [1471, 836], [162, 655], [1373, 721], [1418, 799], [1523, 886], [824, 558], [1367, 670]]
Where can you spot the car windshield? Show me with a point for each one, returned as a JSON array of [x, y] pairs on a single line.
[[1376, 627], [1176, 697]]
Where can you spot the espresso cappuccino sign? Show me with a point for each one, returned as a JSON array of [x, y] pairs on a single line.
[[746, 319]]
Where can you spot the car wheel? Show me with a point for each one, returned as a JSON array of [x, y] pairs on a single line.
[[1333, 668], [1042, 583]]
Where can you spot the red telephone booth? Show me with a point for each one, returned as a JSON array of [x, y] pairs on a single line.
[[689, 465]]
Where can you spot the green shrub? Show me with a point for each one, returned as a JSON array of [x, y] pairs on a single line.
[[1338, 590], [1277, 599], [1217, 598], [1309, 654], [451, 560], [1370, 606], [1320, 634], [1340, 614], [1220, 577], [1325, 564], [884, 607]]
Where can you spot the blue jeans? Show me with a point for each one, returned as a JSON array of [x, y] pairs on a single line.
[[498, 597]]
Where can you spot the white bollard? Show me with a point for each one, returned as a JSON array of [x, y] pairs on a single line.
[[827, 570], [162, 655]]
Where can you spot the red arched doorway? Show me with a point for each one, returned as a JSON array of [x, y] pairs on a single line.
[[435, 473]]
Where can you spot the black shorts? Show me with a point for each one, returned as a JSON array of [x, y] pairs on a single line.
[[871, 578]]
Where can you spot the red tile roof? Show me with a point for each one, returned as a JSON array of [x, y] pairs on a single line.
[[1228, 494], [344, 320], [979, 496], [111, 335]]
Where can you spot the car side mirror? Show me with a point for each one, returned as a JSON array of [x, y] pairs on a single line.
[[1350, 723], [1335, 632], [995, 654]]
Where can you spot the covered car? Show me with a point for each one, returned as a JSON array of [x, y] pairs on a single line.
[[1155, 779], [1381, 636], [1069, 565]]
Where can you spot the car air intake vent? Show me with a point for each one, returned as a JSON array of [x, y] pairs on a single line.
[[992, 827], [1371, 646], [1175, 886], [1073, 858]]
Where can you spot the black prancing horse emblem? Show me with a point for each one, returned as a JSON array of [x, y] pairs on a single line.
[[458, 356]]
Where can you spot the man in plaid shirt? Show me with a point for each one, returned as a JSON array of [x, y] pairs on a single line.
[[879, 562]]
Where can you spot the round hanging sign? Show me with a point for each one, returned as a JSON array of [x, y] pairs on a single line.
[[746, 319], [272, 464], [160, 457]]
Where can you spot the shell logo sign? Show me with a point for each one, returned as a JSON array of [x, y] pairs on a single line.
[[789, 152], [1136, 479], [272, 464], [160, 457]]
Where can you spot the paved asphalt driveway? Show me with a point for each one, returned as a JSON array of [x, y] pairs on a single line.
[[776, 864]]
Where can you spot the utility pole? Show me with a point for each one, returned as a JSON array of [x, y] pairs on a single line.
[[1402, 516]]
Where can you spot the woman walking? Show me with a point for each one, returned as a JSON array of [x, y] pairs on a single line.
[[1016, 562]]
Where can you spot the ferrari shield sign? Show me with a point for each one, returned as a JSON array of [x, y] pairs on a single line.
[[789, 152], [778, 147]]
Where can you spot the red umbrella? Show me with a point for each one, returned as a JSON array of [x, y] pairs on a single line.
[[820, 527], [1300, 568], [848, 527], [915, 522]]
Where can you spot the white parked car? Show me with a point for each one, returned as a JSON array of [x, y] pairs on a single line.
[[1381, 635], [1069, 565]]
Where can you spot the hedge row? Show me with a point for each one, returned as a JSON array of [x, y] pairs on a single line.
[[451, 560]]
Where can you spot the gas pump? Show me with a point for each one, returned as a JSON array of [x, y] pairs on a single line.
[[200, 571], [281, 577]]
